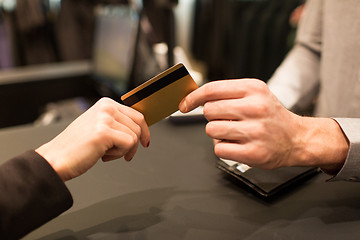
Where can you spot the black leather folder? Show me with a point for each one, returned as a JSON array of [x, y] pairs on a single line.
[[268, 184]]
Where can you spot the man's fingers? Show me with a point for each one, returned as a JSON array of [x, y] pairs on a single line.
[[235, 109], [231, 150], [218, 90], [247, 153], [230, 109], [227, 130]]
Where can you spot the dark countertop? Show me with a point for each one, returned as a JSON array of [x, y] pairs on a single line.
[[173, 190]]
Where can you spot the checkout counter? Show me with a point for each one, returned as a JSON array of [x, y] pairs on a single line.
[[173, 190]]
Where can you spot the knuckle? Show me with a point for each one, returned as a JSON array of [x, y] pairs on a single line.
[[130, 141], [104, 100], [207, 110], [218, 151], [209, 129], [137, 130], [258, 130], [136, 116], [104, 119], [108, 109], [100, 134], [101, 129], [211, 89], [256, 85], [105, 105], [260, 86], [134, 140], [260, 108], [262, 158], [139, 117]]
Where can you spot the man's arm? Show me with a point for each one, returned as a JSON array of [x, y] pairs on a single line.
[[295, 83]]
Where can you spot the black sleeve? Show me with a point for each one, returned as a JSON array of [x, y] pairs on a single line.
[[31, 193]]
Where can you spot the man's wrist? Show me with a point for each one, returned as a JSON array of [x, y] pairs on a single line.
[[324, 144]]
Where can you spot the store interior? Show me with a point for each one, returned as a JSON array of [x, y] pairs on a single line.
[[60, 56]]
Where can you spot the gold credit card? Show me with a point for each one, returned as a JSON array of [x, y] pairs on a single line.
[[160, 96]]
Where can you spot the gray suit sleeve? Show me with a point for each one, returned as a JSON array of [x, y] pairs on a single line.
[[296, 82], [351, 169], [31, 194]]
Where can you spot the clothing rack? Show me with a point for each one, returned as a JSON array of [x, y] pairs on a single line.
[[247, 38], [41, 31], [38, 31]]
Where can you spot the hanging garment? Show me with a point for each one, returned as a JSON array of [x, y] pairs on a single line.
[[34, 36], [6, 59]]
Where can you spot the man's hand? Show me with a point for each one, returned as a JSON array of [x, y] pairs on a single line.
[[108, 130], [250, 126]]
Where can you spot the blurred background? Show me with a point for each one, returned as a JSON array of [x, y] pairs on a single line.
[[58, 56]]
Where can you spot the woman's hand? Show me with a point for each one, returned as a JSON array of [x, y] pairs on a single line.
[[108, 130]]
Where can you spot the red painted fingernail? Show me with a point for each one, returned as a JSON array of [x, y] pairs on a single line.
[[148, 144]]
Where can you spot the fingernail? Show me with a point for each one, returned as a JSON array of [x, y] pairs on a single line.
[[182, 106], [148, 144]]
